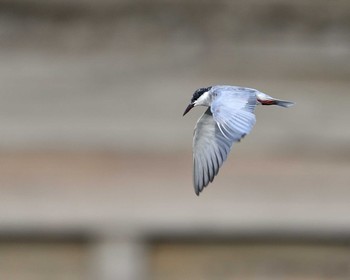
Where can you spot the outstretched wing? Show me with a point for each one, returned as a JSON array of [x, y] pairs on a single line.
[[219, 127]]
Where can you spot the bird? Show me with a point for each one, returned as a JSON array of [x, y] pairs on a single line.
[[228, 118]]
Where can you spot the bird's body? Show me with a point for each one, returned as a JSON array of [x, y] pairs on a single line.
[[228, 119]]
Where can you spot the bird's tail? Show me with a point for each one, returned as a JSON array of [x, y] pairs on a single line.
[[284, 103], [265, 99]]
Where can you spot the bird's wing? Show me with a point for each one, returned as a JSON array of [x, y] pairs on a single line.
[[222, 124]]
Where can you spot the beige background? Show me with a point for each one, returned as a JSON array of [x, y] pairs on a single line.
[[95, 155]]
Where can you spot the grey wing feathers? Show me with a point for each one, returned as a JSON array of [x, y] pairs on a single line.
[[222, 124], [233, 124], [210, 150]]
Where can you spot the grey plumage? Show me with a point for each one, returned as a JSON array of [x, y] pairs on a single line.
[[228, 119]]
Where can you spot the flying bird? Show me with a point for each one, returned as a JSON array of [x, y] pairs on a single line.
[[229, 117]]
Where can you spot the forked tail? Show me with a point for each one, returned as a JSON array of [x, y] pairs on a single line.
[[264, 99], [284, 103]]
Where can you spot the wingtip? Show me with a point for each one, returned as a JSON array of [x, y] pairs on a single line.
[[197, 191]]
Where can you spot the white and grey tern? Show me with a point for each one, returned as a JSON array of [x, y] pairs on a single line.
[[228, 119]]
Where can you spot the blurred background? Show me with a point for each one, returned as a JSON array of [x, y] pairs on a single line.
[[96, 160]]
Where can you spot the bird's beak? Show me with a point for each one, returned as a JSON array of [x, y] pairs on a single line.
[[189, 107]]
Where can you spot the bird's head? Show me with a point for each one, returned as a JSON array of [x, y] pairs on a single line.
[[200, 98]]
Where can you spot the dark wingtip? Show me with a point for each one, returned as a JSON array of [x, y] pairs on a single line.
[[197, 191]]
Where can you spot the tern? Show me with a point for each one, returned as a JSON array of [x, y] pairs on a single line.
[[228, 119]]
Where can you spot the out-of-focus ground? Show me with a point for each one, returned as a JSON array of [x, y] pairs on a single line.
[[95, 156]]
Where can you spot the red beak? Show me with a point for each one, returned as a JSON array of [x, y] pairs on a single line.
[[189, 107]]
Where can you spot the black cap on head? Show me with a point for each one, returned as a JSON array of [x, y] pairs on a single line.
[[198, 93], [195, 96]]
